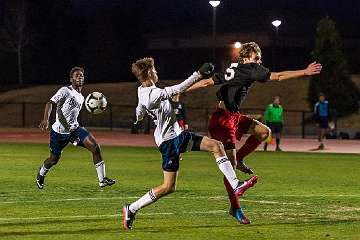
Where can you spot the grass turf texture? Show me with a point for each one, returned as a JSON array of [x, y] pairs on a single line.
[[299, 196]]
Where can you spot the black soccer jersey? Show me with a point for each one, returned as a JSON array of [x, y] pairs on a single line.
[[237, 81]]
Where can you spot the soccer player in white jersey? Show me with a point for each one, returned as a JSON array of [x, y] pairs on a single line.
[[69, 101], [170, 138]]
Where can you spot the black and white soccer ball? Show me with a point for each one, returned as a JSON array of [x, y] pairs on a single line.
[[95, 103]]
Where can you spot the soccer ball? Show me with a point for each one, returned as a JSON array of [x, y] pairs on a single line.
[[95, 103]]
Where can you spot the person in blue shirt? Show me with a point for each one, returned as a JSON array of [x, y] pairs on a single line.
[[321, 113]]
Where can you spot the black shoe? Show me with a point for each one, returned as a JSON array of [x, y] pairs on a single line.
[[128, 217], [278, 149], [243, 168], [106, 182], [40, 181]]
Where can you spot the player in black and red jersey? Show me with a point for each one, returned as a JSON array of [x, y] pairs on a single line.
[[227, 125]]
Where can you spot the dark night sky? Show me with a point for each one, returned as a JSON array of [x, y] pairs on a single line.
[[106, 36], [233, 15]]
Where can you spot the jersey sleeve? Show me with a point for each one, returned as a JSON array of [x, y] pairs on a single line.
[[316, 108], [260, 73], [140, 112], [159, 94], [60, 94]]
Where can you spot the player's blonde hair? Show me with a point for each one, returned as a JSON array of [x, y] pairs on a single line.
[[141, 68], [75, 69], [247, 49]]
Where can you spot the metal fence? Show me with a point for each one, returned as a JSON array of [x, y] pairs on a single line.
[[28, 115]]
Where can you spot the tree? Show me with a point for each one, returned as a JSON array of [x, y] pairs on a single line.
[[334, 80], [14, 33]]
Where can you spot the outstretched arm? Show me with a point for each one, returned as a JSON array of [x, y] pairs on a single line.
[[201, 84], [205, 71], [313, 69], [168, 92]]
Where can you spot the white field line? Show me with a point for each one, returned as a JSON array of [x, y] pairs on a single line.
[[310, 195], [190, 197], [108, 216], [66, 200], [133, 197]]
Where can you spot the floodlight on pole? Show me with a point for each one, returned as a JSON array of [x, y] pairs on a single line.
[[214, 4], [237, 45], [276, 23]]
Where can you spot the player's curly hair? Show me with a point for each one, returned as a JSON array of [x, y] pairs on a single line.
[[141, 68], [74, 69], [247, 49]]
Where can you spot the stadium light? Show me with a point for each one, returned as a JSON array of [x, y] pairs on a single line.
[[237, 45], [276, 23], [214, 4]]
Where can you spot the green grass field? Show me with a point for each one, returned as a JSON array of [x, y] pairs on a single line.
[[299, 196]]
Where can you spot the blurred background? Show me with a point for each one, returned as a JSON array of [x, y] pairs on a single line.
[[41, 40]]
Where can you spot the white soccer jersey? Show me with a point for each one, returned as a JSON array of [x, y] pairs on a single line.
[[68, 105], [155, 102]]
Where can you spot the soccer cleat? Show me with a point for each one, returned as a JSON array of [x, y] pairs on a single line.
[[243, 168], [239, 215], [106, 182], [128, 217], [242, 187], [40, 181]]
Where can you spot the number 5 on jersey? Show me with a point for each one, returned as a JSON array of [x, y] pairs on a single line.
[[230, 72]]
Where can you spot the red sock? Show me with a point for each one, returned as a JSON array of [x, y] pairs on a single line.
[[250, 145], [230, 191]]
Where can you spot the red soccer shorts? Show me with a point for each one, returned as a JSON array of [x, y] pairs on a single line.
[[228, 127]]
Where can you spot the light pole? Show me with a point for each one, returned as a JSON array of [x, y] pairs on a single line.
[[276, 24], [214, 4]]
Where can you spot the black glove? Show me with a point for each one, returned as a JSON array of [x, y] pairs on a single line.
[[207, 70]]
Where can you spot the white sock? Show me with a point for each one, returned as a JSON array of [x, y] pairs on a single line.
[[227, 169], [100, 169], [145, 200], [43, 170]]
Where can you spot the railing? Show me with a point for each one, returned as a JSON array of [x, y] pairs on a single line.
[[121, 116]]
